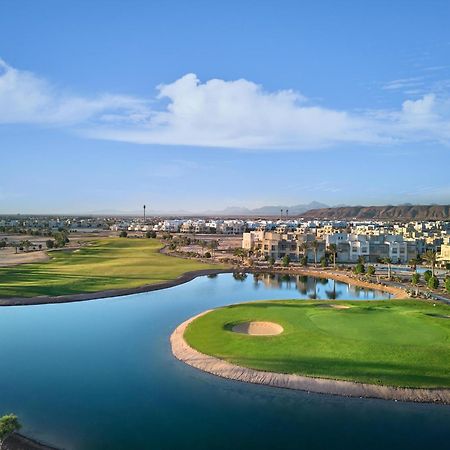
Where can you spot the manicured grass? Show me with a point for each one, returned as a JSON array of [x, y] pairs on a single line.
[[109, 263], [391, 342]]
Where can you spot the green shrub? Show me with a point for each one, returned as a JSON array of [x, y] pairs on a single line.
[[447, 285], [371, 270], [123, 234], [415, 279], [359, 269], [286, 261], [207, 255], [433, 283], [427, 275]]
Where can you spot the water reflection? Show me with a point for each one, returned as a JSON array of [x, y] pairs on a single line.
[[312, 287]]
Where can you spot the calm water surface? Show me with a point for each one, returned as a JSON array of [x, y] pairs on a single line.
[[100, 375]]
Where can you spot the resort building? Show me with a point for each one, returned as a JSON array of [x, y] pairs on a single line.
[[350, 247], [444, 255]]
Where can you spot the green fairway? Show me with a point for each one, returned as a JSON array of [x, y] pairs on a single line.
[[395, 342], [110, 263]]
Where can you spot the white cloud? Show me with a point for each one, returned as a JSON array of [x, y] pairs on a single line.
[[25, 98], [402, 83], [219, 113], [240, 114]]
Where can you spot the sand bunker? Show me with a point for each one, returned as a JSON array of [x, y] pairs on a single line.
[[258, 328]]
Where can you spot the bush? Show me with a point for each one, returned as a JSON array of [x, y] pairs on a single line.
[[324, 262], [371, 270], [207, 255], [50, 243], [286, 261], [433, 283], [304, 261], [123, 234], [150, 234], [447, 285], [271, 260], [415, 279], [427, 275], [359, 269]]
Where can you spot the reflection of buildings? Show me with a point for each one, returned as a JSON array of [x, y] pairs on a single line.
[[306, 286], [316, 288]]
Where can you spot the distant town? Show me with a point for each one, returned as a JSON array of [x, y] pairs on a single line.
[[297, 238]]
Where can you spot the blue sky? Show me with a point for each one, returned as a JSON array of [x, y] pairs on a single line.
[[343, 102]]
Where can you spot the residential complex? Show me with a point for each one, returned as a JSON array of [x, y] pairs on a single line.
[[371, 240]]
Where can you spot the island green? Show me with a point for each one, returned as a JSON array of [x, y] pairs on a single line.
[[392, 342]]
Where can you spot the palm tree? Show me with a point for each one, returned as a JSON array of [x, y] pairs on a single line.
[[305, 247], [241, 253], [332, 248], [388, 261], [413, 263], [315, 246], [430, 258], [213, 245]]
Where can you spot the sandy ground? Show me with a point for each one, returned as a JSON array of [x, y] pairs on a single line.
[[8, 257], [258, 328], [333, 306], [182, 351]]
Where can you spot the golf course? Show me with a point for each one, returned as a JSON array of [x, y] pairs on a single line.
[[400, 343], [102, 264]]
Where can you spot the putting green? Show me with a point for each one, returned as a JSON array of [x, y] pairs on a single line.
[[110, 263], [393, 342]]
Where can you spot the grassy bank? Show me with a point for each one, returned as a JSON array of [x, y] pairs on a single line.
[[397, 342], [109, 263]]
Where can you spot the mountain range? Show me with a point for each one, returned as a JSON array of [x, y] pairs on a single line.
[[390, 212], [274, 210]]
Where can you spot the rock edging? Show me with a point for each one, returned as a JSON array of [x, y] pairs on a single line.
[[185, 353]]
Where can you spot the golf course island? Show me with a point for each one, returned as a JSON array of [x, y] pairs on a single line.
[[102, 267], [390, 349]]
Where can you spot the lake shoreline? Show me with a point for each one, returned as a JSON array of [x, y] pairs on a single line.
[[215, 366], [18, 441], [189, 276]]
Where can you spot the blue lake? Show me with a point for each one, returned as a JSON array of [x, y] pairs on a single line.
[[100, 375]]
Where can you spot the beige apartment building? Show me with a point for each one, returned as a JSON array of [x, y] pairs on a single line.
[[278, 245], [350, 247], [444, 255]]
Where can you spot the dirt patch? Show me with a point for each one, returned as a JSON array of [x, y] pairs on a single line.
[[258, 328], [440, 316], [327, 305]]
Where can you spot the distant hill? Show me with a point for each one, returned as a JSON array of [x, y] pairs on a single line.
[[275, 210], [400, 212], [295, 210]]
